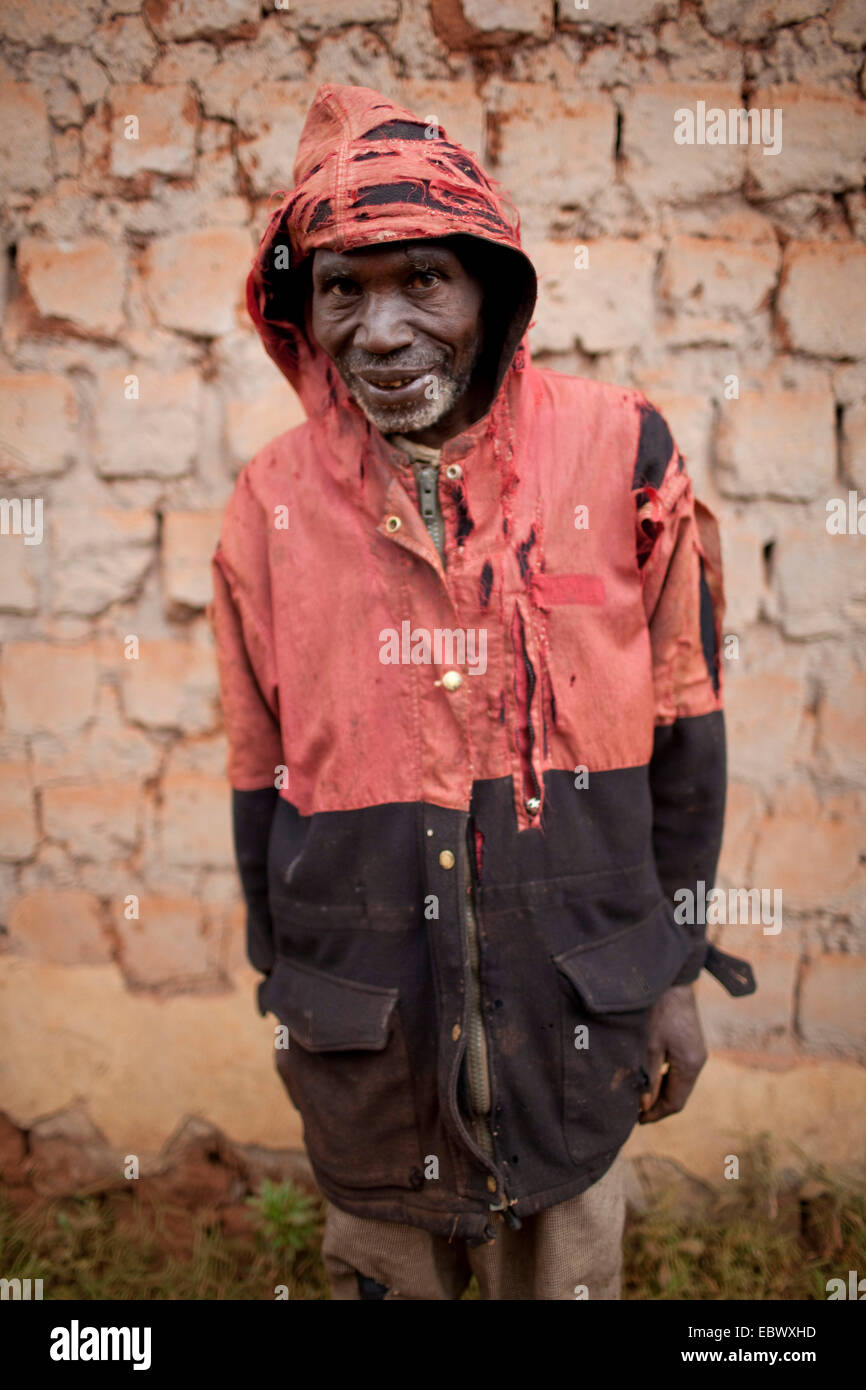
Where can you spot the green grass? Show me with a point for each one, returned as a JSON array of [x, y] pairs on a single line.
[[103, 1248], [757, 1240]]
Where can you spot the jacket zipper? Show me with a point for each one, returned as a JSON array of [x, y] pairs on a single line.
[[477, 1061], [477, 1058], [427, 479], [476, 1053]]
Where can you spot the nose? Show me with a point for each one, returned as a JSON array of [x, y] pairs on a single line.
[[383, 327]]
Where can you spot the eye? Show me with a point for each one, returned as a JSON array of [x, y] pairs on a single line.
[[341, 287], [424, 279]]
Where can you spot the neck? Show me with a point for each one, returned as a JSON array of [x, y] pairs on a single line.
[[414, 446]]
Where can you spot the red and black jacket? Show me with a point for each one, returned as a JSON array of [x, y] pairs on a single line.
[[571, 787]]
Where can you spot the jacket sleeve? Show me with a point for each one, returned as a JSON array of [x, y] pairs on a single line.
[[240, 620], [680, 563]]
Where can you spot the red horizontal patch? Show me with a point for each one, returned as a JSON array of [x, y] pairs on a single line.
[[551, 589]]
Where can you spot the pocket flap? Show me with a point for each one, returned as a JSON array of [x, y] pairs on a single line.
[[326, 1013], [632, 968]]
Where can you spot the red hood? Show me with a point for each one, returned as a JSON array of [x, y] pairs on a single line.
[[365, 172]]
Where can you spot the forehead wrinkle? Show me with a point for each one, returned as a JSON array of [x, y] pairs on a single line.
[[415, 252], [428, 251]]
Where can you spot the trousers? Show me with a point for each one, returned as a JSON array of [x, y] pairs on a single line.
[[572, 1250]]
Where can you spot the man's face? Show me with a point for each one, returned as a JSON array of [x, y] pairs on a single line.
[[402, 323]]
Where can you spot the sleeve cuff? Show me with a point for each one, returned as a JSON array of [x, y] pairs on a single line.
[[735, 975]]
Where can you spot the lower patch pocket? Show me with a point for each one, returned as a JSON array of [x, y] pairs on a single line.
[[608, 989], [347, 1071]]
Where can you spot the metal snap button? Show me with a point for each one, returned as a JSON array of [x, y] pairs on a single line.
[[453, 471], [452, 680], [446, 859]]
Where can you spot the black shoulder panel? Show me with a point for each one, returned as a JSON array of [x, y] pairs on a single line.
[[654, 449]]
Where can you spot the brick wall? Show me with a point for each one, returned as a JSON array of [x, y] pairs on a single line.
[[727, 283]]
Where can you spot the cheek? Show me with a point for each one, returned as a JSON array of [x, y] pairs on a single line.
[[468, 324], [328, 331], [470, 337], [460, 327]]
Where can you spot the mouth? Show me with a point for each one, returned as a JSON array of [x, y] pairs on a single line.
[[394, 387]]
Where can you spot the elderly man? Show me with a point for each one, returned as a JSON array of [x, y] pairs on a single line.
[[467, 618]]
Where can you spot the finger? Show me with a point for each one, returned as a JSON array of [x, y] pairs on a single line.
[[677, 1087], [656, 1061]]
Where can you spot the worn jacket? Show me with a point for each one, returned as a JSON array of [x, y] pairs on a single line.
[[428, 847]]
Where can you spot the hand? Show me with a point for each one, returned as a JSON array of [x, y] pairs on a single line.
[[677, 1052]]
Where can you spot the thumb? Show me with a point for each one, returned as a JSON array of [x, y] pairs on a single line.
[[655, 1066]]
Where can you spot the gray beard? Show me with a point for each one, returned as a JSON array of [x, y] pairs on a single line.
[[420, 414]]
